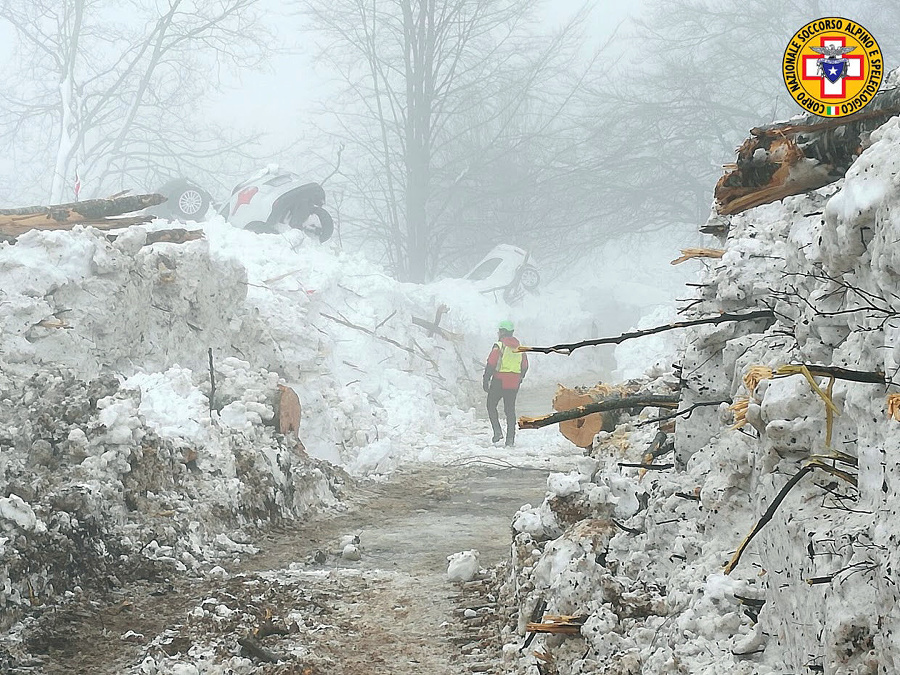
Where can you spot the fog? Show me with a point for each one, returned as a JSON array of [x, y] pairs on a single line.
[[250, 383], [588, 134]]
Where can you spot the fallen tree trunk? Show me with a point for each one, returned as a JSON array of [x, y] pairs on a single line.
[[721, 318], [59, 216], [581, 431], [790, 158], [636, 401], [9, 231]]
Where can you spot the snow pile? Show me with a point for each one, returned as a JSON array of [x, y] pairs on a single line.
[[641, 557], [139, 393], [462, 566]]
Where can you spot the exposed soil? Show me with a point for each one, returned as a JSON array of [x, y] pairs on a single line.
[[393, 611]]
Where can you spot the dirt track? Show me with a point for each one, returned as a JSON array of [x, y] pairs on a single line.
[[393, 611]]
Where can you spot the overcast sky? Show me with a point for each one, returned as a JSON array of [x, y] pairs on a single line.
[[283, 99]]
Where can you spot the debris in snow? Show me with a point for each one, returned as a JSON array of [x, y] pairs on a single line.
[[642, 556], [350, 552], [692, 253], [462, 566], [808, 152], [95, 212]]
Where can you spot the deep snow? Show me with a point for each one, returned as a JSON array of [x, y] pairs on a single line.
[[642, 557], [112, 456]]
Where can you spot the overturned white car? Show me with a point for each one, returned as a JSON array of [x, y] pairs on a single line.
[[273, 197], [508, 271], [271, 200]]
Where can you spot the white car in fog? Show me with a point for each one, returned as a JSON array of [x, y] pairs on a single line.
[[507, 269]]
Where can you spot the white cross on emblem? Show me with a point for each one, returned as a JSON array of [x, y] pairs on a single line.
[[810, 71]]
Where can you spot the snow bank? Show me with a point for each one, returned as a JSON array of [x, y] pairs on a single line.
[[108, 414], [641, 557]]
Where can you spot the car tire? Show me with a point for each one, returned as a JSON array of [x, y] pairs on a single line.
[[530, 278], [326, 223], [184, 200]]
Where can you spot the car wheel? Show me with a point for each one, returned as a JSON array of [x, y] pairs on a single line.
[[322, 228], [530, 279], [326, 223], [185, 200]]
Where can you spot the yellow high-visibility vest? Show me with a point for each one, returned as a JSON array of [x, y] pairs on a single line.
[[510, 359]]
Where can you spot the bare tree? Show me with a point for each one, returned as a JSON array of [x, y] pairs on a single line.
[[437, 92], [111, 87], [704, 74]]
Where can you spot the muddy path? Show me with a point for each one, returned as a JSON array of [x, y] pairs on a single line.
[[308, 608]]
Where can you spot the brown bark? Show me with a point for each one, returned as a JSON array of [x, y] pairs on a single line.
[[95, 212], [624, 402]]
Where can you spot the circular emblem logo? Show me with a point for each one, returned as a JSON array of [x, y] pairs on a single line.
[[832, 67]]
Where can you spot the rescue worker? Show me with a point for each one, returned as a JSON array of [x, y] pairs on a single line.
[[503, 374]]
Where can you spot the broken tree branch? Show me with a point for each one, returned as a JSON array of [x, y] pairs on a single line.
[[620, 403], [766, 517], [176, 235], [565, 625], [811, 465], [212, 381], [372, 333], [686, 412], [255, 649], [724, 317], [435, 329], [866, 376], [691, 253], [648, 467]]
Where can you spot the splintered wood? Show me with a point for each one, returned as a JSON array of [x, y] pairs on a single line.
[[893, 407], [98, 213], [558, 624], [288, 411], [793, 157], [690, 253]]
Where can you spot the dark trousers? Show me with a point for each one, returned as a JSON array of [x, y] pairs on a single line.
[[496, 393]]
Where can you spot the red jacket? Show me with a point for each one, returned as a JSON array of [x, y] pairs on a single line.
[[507, 380]]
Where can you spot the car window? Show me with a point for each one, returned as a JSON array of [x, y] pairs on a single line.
[[485, 269], [280, 180]]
